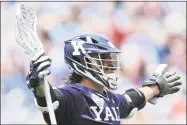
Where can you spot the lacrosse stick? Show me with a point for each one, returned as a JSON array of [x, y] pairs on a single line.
[[26, 36]]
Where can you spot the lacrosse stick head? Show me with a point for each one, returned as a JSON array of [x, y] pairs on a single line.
[[25, 31]]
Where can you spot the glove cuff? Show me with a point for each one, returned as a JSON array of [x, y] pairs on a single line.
[[153, 81], [45, 108]]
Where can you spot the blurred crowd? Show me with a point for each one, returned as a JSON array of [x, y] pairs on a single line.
[[147, 33]]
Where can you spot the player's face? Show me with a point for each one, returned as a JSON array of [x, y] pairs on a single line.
[[108, 63]]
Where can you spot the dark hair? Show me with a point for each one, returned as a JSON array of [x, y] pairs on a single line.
[[74, 78]]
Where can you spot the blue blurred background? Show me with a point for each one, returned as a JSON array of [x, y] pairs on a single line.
[[147, 33]]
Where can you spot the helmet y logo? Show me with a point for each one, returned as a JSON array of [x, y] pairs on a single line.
[[78, 46]]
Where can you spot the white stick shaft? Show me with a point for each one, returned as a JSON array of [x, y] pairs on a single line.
[[49, 102]]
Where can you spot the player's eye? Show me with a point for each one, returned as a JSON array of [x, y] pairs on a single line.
[[105, 56]]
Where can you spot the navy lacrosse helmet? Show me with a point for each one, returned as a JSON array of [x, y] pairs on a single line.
[[95, 57]]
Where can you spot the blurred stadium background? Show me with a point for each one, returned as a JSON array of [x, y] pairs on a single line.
[[147, 33]]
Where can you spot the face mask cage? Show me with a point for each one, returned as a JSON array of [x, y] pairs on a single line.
[[106, 64]]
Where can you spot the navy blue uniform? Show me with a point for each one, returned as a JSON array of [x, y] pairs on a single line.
[[81, 105]]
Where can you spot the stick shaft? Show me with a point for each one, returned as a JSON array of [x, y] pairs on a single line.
[[28, 39], [49, 102]]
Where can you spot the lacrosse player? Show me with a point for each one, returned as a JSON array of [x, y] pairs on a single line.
[[94, 62]]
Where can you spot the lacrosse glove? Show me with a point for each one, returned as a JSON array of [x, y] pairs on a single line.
[[38, 69], [167, 81]]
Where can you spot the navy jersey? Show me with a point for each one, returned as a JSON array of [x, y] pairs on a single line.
[[81, 105]]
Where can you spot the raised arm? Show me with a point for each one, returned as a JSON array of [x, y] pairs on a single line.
[[39, 68], [160, 84]]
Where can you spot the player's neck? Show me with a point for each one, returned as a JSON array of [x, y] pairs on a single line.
[[90, 84]]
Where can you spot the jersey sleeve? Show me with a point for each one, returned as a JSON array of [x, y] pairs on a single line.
[[130, 102], [61, 113], [124, 106]]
